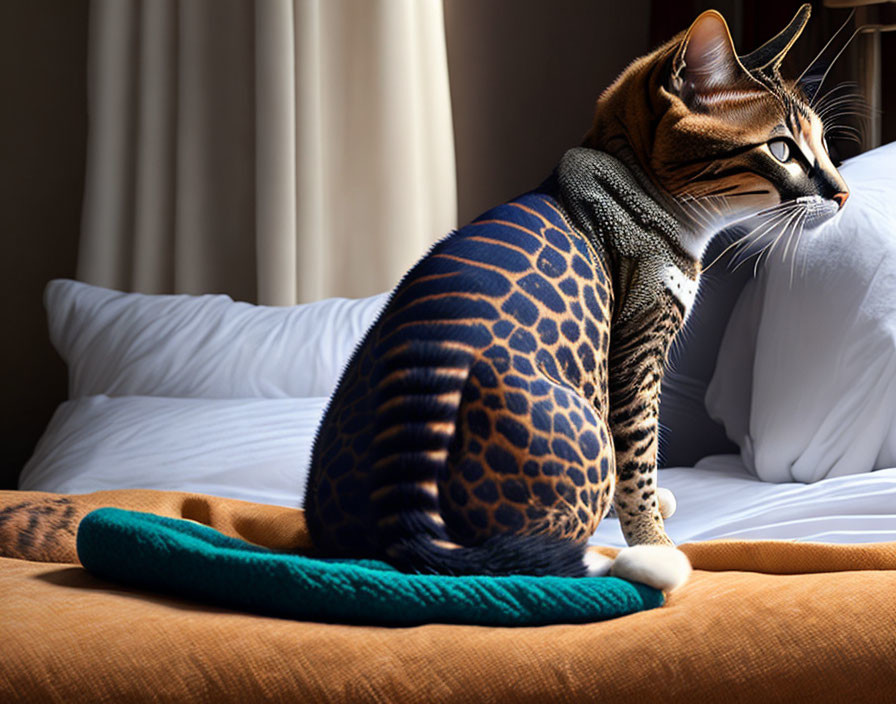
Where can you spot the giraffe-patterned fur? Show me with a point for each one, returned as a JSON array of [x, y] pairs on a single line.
[[503, 327], [508, 394]]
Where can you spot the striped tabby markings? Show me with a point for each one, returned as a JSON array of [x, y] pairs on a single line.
[[720, 98], [471, 262], [393, 518], [503, 223], [448, 398], [506, 245], [411, 323], [445, 544], [541, 217], [435, 517], [388, 433], [428, 486], [440, 427]]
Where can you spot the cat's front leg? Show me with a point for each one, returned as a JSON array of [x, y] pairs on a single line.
[[634, 413]]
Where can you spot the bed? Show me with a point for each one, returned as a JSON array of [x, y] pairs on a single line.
[[205, 409]]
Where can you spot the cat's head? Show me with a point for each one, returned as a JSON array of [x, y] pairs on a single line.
[[726, 136]]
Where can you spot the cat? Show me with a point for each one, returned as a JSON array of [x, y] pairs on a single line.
[[508, 393]]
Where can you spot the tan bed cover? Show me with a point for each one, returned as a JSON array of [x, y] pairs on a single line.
[[761, 621]]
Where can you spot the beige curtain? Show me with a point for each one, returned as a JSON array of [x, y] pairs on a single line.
[[278, 150]]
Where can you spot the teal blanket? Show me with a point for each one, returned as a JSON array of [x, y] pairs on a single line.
[[192, 560]]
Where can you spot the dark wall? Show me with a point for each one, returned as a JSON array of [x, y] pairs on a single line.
[[525, 75], [43, 62]]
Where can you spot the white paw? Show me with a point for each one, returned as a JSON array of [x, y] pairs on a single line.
[[668, 504], [597, 565], [659, 566]]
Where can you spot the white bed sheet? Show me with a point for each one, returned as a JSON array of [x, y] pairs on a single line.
[[254, 449], [719, 498], [259, 449]]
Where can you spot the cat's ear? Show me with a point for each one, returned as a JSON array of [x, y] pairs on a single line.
[[768, 57], [705, 63]]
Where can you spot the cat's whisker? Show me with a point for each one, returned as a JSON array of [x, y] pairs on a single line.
[[844, 127], [847, 113], [789, 239], [786, 205], [831, 94], [740, 245], [845, 132], [843, 85], [854, 100], [834, 60], [824, 49], [703, 197], [857, 138], [770, 249], [760, 232], [764, 214], [765, 211], [846, 101], [700, 208], [791, 229], [787, 231], [766, 251], [844, 120], [692, 209], [715, 207], [798, 230], [848, 135], [716, 216], [841, 126], [838, 91], [802, 223], [700, 212], [845, 109], [805, 263]]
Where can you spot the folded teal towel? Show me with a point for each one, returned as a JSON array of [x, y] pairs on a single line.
[[192, 560]]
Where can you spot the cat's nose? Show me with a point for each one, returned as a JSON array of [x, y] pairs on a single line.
[[841, 198]]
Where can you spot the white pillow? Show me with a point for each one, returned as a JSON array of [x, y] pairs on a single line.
[[805, 381], [129, 344], [251, 449]]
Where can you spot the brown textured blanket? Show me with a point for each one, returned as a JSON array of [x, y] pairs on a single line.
[[762, 621]]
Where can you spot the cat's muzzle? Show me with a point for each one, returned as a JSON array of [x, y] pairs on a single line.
[[817, 209]]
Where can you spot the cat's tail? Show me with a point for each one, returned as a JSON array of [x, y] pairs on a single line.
[[502, 554], [418, 395]]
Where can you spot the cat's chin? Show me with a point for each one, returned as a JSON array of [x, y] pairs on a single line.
[[818, 210]]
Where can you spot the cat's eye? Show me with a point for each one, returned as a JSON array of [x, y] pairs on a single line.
[[780, 150]]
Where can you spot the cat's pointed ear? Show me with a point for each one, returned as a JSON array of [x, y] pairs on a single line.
[[769, 56], [705, 63]]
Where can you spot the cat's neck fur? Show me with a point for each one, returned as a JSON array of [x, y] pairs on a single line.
[[645, 237]]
